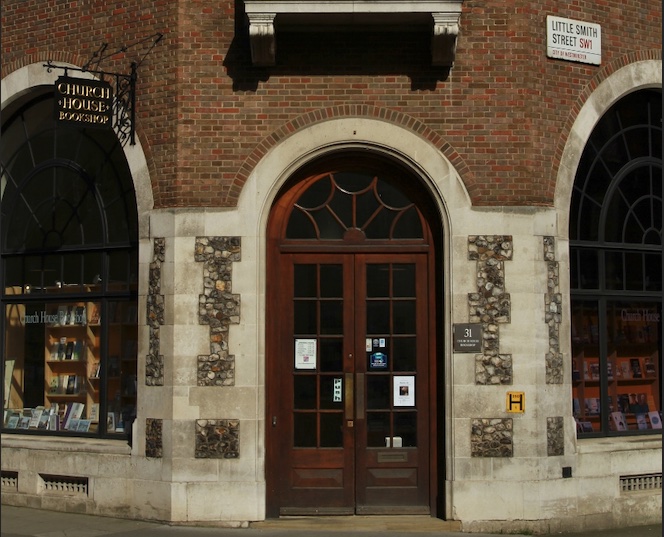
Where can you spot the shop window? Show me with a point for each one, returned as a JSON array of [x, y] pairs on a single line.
[[616, 272], [69, 255]]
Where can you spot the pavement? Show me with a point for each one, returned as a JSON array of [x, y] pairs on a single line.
[[23, 521]]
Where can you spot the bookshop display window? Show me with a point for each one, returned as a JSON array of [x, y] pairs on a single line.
[[69, 258], [616, 272]]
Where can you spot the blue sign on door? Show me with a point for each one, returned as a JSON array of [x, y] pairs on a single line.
[[378, 360]]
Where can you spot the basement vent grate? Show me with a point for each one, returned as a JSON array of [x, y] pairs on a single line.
[[636, 483], [65, 484], [9, 479]]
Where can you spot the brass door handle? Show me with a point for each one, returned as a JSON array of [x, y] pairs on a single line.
[[349, 411], [359, 396]]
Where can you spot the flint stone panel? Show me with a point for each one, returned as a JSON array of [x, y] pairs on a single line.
[[490, 305], [491, 437], [154, 363], [153, 438], [217, 439], [555, 440], [553, 313], [217, 307]]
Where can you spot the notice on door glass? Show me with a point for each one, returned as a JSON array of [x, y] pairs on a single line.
[[305, 354], [404, 391]]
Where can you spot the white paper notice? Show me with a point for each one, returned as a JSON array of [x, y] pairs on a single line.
[[305, 354], [404, 391]]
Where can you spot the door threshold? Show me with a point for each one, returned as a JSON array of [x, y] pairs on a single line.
[[345, 523]]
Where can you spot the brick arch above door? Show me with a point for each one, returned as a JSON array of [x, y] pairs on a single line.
[[390, 119]]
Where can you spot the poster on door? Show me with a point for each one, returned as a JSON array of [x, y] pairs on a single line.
[[404, 391], [305, 354]]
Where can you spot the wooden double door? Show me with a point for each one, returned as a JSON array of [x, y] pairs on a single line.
[[349, 384]]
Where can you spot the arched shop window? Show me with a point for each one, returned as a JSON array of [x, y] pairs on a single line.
[[68, 246], [616, 272]]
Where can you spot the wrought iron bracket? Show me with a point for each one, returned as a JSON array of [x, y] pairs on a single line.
[[124, 100]]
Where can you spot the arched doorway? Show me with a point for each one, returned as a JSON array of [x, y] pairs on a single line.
[[352, 317]]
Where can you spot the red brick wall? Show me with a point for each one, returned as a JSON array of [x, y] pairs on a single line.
[[206, 114]]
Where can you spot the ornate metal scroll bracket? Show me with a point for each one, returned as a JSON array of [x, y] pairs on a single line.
[[124, 99]]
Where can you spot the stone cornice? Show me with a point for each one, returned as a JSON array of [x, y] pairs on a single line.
[[444, 16]]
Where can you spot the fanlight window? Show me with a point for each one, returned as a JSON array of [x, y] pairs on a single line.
[[354, 207]]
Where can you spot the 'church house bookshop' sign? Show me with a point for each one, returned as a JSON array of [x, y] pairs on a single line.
[[83, 103]]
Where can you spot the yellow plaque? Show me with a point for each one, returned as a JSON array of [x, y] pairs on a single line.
[[516, 402]]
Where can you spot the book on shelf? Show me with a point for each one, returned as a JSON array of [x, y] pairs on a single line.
[[43, 421], [576, 407], [83, 426], [23, 422], [94, 412], [655, 419], [636, 368], [12, 422], [638, 403], [626, 370], [74, 412], [69, 351], [79, 350], [95, 368], [592, 406], [35, 416], [53, 422], [618, 420], [594, 371], [54, 386], [80, 316], [641, 421], [94, 316], [623, 403], [649, 367], [58, 350], [62, 315], [609, 370], [72, 385]]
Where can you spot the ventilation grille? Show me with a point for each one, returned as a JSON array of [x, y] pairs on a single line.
[[9, 480], [64, 484], [636, 483]]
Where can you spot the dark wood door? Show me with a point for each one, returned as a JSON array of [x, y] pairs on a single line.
[[348, 399]]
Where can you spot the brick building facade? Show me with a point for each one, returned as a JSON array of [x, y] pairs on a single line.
[[254, 120]]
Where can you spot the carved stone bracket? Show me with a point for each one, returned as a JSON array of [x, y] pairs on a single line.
[[262, 38], [443, 42]]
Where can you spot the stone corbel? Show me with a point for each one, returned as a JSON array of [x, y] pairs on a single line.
[[262, 38], [443, 41]]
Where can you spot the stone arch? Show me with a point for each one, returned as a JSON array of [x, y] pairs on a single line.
[[23, 78], [632, 72], [359, 112]]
